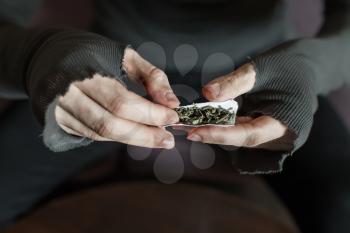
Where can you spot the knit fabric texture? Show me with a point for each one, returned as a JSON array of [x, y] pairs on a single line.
[[285, 90]]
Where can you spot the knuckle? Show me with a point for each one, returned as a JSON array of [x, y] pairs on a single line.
[[209, 135], [102, 127], [92, 135], [252, 140], [233, 84], [157, 74], [116, 105], [219, 138], [206, 134], [157, 138], [60, 99]]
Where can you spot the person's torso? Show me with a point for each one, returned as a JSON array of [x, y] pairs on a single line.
[[190, 38], [221, 34]]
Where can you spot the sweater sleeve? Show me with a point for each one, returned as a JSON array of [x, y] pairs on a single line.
[[13, 13], [41, 63], [17, 47], [328, 54], [291, 75]]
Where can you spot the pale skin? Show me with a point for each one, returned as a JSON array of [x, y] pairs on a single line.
[[263, 132], [103, 109]]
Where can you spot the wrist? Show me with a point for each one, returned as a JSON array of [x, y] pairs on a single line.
[[285, 90]]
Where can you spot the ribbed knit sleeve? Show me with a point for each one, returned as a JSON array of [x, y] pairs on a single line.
[[70, 55], [42, 63], [291, 99], [290, 76]]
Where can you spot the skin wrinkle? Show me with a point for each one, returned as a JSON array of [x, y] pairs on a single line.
[[261, 132], [117, 107], [107, 51]]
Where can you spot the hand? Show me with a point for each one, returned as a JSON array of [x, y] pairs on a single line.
[[261, 132], [102, 109]]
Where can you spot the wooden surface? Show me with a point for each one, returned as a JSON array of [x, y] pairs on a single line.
[[152, 207]]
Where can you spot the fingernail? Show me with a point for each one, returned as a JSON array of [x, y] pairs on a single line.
[[170, 96], [194, 137], [214, 89], [168, 143]]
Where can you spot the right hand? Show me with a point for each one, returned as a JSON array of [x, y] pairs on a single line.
[[102, 109]]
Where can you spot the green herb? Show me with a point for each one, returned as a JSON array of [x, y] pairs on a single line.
[[193, 115]]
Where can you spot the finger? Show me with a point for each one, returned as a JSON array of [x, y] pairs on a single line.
[[114, 97], [182, 128], [243, 119], [70, 131], [106, 125], [231, 85], [239, 120], [158, 87], [259, 131], [72, 126], [155, 80]]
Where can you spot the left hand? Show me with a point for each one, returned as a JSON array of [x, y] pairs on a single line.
[[262, 132]]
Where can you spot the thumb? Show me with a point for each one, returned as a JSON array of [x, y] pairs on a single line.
[[231, 85]]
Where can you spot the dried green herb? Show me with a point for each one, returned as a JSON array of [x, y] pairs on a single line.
[[194, 115]]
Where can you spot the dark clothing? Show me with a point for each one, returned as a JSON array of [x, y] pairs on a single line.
[[289, 77], [315, 182], [28, 170], [316, 195]]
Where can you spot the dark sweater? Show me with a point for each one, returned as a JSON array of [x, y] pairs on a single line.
[[288, 77]]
